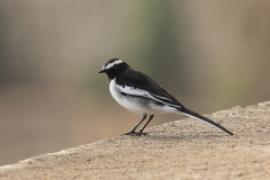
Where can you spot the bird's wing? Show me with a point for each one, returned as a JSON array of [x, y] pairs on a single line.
[[138, 84], [148, 88]]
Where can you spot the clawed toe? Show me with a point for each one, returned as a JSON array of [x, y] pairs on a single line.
[[133, 133], [142, 133]]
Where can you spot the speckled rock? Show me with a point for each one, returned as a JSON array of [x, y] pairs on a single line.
[[183, 149]]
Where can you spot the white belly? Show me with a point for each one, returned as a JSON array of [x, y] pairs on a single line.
[[138, 105], [126, 102]]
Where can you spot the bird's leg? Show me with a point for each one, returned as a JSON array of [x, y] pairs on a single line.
[[141, 133], [133, 131]]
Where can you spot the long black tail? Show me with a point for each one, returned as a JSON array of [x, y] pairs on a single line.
[[194, 114]]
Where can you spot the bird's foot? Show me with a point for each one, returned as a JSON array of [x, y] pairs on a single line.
[[133, 133], [141, 133]]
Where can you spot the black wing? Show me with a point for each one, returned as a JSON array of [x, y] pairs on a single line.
[[141, 81]]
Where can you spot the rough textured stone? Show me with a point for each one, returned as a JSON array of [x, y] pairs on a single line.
[[183, 149]]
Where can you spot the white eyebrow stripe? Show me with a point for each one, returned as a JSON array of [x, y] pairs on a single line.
[[108, 66]]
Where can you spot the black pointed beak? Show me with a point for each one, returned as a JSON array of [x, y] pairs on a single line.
[[102, 71]]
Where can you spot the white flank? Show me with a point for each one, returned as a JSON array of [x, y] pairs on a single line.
[[122, 100], [134, 106], [139, 92]]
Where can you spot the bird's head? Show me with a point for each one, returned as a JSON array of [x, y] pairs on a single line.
[[114, 67]]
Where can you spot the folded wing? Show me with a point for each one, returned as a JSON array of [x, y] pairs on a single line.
[[145, 88]]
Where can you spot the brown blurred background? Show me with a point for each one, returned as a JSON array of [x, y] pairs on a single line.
[[211, 54]]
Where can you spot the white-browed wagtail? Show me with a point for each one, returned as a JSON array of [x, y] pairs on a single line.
[[137, 92]]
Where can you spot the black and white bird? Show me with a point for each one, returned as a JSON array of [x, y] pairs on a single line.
[[138, 93]]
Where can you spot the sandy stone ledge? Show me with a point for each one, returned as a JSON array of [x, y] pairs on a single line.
[[183, 149]]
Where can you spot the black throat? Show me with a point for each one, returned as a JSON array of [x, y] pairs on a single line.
[[117, 70]]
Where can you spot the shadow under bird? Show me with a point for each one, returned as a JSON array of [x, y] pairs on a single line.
[[138, 93]]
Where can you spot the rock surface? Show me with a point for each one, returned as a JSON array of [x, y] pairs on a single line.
[[183, 149]]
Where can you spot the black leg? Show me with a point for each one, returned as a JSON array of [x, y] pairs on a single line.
[[149, 120], [133, 131]]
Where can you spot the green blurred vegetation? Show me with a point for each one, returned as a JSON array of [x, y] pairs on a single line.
[[159, 46]]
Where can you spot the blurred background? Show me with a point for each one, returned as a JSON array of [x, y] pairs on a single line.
[[210, 54]]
